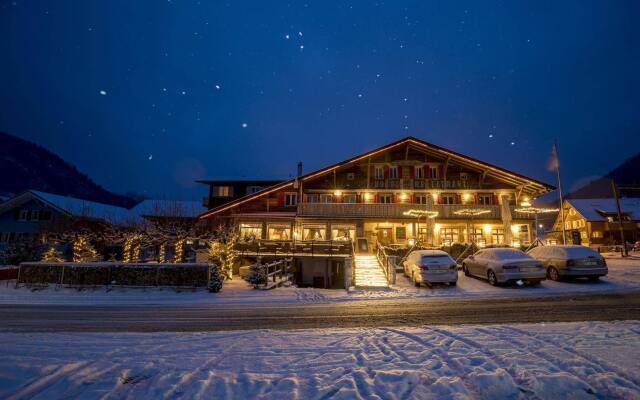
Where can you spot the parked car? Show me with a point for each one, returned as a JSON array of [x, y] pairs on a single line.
[[570, 262], [431, 266], [504, 265]]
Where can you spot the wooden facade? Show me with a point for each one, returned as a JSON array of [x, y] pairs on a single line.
[[372, 195]]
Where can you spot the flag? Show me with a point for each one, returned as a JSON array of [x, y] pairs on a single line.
[[554, 163]]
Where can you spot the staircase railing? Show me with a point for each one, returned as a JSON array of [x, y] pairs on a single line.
[[387, 263]]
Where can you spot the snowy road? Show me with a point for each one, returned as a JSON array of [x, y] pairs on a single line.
[[588, 360], [372, 313]]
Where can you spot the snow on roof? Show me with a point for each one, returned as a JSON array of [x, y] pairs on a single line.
[[168, 208], [591, 209], [87, 209]]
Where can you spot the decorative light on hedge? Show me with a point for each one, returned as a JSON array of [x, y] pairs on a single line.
[[52, 255], [83, 251], [535, 210], [163, 253], [178, 254]]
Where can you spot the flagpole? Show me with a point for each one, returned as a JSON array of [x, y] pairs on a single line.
[[557, 162]]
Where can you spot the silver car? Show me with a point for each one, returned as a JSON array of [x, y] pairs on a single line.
[[570, 262], [504, 265], [431, 266]]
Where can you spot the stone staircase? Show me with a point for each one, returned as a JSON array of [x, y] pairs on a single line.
[[368, 272]]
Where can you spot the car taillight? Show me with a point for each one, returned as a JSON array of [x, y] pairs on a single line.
[[571, 263], [510, 267]]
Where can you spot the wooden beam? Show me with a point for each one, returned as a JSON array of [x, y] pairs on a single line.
[[482, 177]]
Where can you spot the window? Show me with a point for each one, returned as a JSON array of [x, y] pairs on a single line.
[[253, 189], [379, 173], [464, 176], [251, 232], [401, 233], [343, 232], [433, 172], [290, 199], [485, 199], [312, 198], [35, 215], [385, 198], [476, 236], [326, 198], [351, 176], [449, 236], [421, 198], [279, 232], [596, 234], [449, 199], [313, 232], [497, 236], [350, 198], [222, 191], [23, 215], [393, 173], [418, 173]]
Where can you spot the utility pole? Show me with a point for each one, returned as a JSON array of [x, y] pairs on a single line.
[[615, 196]]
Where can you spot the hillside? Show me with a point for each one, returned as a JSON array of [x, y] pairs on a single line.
[[26, 165], [625, 175]]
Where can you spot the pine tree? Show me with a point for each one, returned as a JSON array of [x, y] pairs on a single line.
[[257, 274], [52, 255], [215, 279]]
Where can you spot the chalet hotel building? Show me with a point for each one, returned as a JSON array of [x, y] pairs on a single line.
[[406, 191]]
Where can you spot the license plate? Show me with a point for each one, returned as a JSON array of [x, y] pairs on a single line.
[[590, 262]]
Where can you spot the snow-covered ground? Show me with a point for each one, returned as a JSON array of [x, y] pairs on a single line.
[[624, 275], [586, 360]]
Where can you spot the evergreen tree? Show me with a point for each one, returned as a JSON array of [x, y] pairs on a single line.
[[52, 255], [215, 279]]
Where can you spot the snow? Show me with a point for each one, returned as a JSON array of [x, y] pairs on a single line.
[[580, 360], [168, 208], [624, 276], [591, 208]]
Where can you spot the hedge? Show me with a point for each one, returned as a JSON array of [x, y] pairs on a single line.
[[114, 274]]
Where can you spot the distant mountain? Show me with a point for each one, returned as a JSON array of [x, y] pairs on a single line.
[[25, 165], [626, 176]]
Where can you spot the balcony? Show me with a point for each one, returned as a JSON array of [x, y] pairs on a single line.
[[409, 183], [360, 210]]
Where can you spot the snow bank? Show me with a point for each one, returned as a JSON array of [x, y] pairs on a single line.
[[563, 360]]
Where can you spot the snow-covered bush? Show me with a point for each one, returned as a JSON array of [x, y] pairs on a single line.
[[215, 279], [257, 274]]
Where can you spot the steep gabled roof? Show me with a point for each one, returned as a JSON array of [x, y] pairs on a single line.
[[168, 208], [593, 209], [512, 177]]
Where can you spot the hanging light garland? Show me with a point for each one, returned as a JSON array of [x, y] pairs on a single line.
[[472, 212], [421, 213], [535, 210]]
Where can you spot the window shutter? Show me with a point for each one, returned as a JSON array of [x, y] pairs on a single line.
[[281, 199], [376, 198], [425, 171], [412, 171], [440, 171], [458, 198], [399, 171], [495, 198]]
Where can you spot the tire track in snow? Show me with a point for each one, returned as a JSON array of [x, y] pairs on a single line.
[[596, 363]]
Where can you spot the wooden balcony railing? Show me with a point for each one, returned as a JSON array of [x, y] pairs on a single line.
[[409, 183], [360, 210]]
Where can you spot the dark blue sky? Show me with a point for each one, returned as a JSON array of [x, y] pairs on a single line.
[[146, 96]]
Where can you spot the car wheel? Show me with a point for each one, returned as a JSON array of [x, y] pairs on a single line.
[[415, 281], [465, 270], [553, 274], [493, 280], [452, 283]]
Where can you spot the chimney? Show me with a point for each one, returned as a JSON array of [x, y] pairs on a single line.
[[296, 183], [299, 169]]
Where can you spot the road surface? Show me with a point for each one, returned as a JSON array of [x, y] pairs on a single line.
[[371, 313]]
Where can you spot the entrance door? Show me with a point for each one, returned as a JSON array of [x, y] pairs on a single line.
[[384, 236]]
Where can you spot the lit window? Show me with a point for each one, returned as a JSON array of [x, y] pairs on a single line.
[[421, 198], [290, 199], [596, 234], [385, 198], [326, 198], [449, 199], [313, 232], [485, 199], [312, 198], [222, 191], [279, 232], [250, 232]]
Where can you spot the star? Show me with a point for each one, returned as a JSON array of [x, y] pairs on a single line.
[[102, 92], [244, 125]]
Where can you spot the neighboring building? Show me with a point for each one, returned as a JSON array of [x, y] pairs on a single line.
[[382, 196], [595, 222], [24, 217], [168, 209], [223, 191]]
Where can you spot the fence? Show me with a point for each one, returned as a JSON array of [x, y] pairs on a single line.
[[113, 274], [276, 273], [292, 248], [387, 263]]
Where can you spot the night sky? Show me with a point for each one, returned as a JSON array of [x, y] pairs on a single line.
[[147, 96]]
